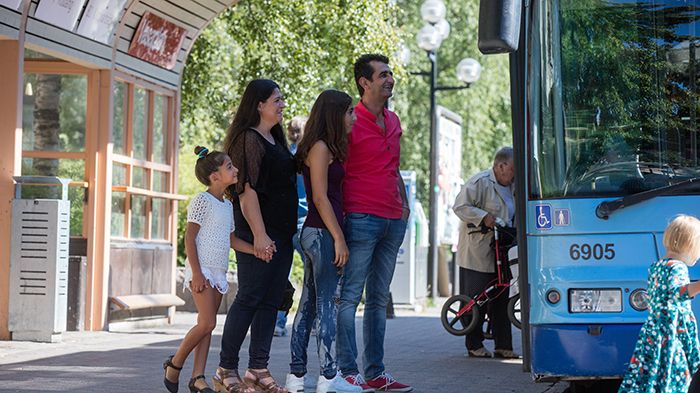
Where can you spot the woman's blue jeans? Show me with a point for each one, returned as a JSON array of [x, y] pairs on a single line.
[[322, 280], [374, 243]]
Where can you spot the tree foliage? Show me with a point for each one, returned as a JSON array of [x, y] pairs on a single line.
[[484, 107], [310, 45]]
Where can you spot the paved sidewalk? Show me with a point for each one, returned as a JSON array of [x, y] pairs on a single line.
[[418, 352]]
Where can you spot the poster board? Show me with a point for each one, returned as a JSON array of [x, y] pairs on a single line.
[[100, 18], [61, 13], [13, 4], [449, 131], [157, 41]]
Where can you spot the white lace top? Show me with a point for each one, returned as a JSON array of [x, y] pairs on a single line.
[[215, 220]]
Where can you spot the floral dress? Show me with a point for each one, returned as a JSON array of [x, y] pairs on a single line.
[[666, 354]]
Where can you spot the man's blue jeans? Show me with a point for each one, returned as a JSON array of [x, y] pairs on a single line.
[[374, 243], [322, 280]]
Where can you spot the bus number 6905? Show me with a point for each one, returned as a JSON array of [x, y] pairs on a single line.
[[596, 251]]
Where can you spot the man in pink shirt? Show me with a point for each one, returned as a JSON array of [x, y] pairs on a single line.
[[376, 212]]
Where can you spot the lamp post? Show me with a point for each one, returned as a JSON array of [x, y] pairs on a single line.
[[429, 38]]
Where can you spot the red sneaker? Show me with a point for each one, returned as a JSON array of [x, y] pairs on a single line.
[[386, 383], [357, 380]]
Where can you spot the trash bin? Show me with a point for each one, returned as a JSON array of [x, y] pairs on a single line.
[[39, 262]]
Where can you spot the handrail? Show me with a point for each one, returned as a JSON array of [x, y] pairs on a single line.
[[149, 193]]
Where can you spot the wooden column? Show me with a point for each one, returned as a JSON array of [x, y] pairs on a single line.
[[99, 174], [11, 65]]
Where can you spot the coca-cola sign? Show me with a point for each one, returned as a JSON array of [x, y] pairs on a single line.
[[157, 41]]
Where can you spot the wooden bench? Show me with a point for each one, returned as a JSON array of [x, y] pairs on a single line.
[[135, 302]]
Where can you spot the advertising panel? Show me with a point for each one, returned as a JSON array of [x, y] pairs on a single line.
[[449, 130], [157, 41], [100, 18], [61, 13]]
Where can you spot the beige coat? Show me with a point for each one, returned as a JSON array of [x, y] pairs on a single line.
[[477, 198]]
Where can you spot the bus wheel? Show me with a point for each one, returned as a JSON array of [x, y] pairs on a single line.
[[464, 324], [514, 311]]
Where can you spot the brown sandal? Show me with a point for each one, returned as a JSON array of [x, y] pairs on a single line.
[[222, 374], [271, 387]]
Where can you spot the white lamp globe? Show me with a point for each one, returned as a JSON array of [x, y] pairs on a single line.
[[443, 26], [403, 54], [468, 70], [432, 11], [428, 38]]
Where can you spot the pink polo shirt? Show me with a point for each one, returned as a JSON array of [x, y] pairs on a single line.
[[371, 183]]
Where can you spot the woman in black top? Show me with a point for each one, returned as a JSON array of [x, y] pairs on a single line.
[[265, 213]]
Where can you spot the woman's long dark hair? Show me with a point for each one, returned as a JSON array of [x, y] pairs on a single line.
[[326, 123], [247, 115]]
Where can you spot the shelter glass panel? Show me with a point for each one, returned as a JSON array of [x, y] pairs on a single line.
[[119, 119], [139, 177], [118, 220], [138, 217], [159, 215], [160, 181], [54, 112], [159, 128], [140, 126], [119, 175]]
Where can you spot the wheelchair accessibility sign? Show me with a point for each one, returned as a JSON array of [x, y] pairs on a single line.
[[543, 217]]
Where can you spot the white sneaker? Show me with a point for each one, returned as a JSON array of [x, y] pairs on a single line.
[[295, 384], [336, 385]]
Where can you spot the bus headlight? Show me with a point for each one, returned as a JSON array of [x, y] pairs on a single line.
[[595, 300], [639, 299]]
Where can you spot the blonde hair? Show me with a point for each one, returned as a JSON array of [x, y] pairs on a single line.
[[682, 236]]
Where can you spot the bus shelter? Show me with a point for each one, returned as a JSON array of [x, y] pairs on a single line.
[[90, 92]]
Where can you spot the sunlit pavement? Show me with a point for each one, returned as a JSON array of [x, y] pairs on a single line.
[[418, 350]]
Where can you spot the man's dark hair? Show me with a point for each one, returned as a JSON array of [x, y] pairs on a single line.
[[363, 68]]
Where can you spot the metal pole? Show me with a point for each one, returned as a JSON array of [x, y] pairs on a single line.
[[432, 228]]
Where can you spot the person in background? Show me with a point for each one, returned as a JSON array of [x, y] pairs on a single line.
[[295, 131], [485, 199]]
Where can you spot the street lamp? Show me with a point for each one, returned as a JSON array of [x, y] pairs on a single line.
[[429, 38]]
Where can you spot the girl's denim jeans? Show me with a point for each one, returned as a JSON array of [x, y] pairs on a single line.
[[319, 302]]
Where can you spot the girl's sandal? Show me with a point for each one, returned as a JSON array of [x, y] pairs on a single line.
[[170, 385], [222, 374], [194, 389], [270, 387]]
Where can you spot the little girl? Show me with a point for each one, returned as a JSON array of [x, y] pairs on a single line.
[[208, 238], [666, 354]]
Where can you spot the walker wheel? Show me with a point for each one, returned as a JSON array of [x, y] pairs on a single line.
[[459, 325]]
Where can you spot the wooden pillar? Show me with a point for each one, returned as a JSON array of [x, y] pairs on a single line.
[[99, 149], [11, 81]]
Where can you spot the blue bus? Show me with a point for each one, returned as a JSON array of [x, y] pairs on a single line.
[[605, 130]]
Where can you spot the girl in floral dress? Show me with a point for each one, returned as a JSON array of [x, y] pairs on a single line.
[[667, 351]]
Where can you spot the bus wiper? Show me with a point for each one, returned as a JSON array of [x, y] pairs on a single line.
[[605, 209]]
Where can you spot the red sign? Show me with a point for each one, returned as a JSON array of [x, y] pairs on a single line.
[[157, 41]]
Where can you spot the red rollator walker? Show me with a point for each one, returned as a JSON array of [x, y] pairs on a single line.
[[460, 313]]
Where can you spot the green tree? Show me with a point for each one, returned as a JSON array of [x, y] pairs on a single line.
[[305, 46], [308, 46], [484, 107]]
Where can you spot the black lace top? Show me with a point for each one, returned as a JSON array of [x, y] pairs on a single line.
[[269, 169]]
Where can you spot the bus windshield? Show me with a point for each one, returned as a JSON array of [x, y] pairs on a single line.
[[613, 96]]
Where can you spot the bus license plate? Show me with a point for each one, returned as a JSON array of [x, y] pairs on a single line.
[[595, 300]]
